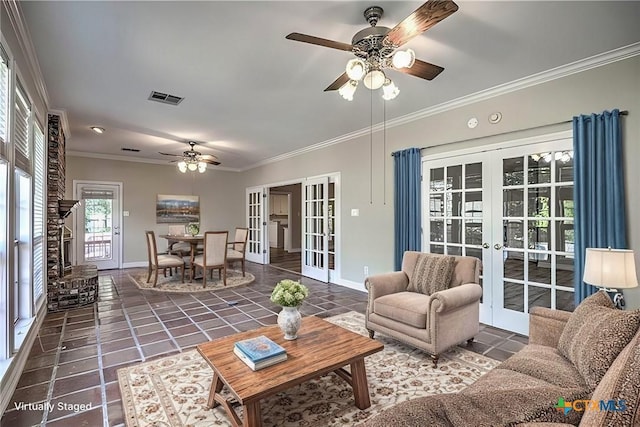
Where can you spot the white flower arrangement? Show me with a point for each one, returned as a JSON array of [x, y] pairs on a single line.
[[289, 293]]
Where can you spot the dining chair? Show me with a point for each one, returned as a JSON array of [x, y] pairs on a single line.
[[214, 256], [160, 261], [236, 249]]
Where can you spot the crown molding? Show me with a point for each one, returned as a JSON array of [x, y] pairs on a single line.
[[26, 45], [137, 160], [595, 61]]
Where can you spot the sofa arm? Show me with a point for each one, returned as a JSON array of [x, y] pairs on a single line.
[[385, 284], [546, 325], [452, 298]]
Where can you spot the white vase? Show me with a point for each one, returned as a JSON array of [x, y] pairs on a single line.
[[289, 320]]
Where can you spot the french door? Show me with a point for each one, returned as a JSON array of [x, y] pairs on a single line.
[[256, 222], [513, 209], [315, 229], [98, 224]]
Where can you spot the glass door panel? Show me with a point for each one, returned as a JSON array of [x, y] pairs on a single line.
[[256, 224], [315, 251]]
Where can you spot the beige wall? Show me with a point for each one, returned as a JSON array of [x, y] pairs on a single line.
[[221, 197], [367, 240]]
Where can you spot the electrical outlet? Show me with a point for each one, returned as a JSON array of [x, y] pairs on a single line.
[[366, 270]]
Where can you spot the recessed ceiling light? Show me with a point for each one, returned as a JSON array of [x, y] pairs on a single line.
[[97, 129]]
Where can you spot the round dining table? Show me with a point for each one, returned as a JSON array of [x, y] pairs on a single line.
[[194, 241]]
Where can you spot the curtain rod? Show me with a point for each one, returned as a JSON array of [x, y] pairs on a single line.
[[622, 113]]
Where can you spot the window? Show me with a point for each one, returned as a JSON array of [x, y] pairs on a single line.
[[39, 213], [4, 94], [22, 128]]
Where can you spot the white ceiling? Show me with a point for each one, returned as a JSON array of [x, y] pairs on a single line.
[[250, 94]]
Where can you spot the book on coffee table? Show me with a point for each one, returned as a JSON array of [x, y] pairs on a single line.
[[259, 348], [261, 364]]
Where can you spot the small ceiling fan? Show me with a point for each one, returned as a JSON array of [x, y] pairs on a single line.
[[376, 49], [193, 160]]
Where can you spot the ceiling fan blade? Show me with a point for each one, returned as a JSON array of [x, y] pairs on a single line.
[[422, 69], [319, 41], [423, 18], [168, 154], [210, 161], [338, 83]]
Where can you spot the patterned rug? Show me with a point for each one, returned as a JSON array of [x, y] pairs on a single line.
[[173, 391], [172, 283]]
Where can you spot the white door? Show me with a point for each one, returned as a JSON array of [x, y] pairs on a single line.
[[315, 229], [98, 224], [513, 209], [532, 205], [257, 241]]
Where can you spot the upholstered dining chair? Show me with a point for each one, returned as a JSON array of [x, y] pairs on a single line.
[[236, 249], [214, 256], [160, 261]]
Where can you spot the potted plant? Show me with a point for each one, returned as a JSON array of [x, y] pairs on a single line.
[[193, 228], [289, 294]]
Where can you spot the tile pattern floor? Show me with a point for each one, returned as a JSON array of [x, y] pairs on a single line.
[[74, 361]]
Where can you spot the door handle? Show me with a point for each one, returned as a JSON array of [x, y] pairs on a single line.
[[116, 233], [497, 246], [485, 245]]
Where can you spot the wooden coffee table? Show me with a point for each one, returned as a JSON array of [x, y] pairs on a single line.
[[321, 347]]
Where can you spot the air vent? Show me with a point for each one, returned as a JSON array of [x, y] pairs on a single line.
[[165, 98], [133, 150]]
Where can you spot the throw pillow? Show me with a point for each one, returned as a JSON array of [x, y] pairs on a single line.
[[620, 383], [595, 334], [431, 274]]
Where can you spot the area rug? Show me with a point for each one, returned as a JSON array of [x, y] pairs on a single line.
[[173, 391], [172, 283]]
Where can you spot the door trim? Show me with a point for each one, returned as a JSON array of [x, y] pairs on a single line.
[[79, 182]]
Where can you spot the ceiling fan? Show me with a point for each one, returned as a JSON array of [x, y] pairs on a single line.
[[376, 49], [193, 160]]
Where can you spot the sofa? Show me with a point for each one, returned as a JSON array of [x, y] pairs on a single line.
[[433, 317], [573, 362]]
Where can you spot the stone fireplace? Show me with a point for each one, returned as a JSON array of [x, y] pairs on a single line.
[[68, 286]]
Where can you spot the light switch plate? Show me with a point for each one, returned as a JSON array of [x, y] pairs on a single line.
[[355, 212], [125, 213]]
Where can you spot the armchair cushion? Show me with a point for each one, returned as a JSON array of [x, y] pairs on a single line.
[[595, 334], [410, 308], [431, 274]]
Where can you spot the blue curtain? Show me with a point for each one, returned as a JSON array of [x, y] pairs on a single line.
[[407, 220], [598, 189]]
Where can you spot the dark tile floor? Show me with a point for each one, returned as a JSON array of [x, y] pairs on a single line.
[[74, 361]]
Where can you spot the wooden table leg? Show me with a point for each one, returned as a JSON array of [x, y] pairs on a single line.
[[216, 387], [252, 417], [360, 385]]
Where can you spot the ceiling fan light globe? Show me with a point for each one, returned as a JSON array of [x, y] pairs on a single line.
[[348, 89], [182, 166], [389, 90], [192, 166], [356, 69], [202, 166], [403, 58], [374, 79]]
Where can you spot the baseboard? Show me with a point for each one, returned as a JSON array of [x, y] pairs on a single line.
[[295, 250], [350, 284], [16, 363], [135, 264]]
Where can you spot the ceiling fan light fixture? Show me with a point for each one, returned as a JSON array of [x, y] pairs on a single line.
[[182, 166], [404, 58], [192, 166], [356, 69], [374, 79], [202, 166], [348, 89], [389, 90]]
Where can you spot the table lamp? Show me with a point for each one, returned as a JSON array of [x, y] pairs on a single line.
[[611, 270]]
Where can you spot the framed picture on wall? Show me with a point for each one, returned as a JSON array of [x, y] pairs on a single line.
[[175, 209]]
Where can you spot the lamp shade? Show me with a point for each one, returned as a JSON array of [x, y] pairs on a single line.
[[374, 79], [610, 268]]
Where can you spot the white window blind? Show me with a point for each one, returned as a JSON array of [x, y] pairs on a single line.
[[4, 94], [21, 127], [39, 212]]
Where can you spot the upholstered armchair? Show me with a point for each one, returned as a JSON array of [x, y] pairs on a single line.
[[160, 261], [236, 249], [432, 322]]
